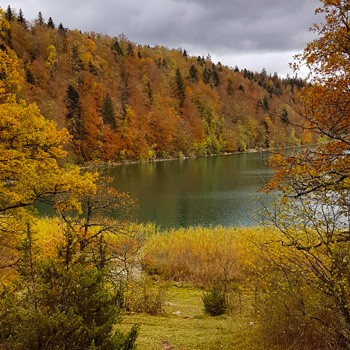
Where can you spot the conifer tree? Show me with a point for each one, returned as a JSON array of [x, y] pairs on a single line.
[[73, 116], [116, 47], [21, 18], [50, 23], [9, 14], [108, 112], [41, 19], [193, 74], [206, 75], [180, 86]]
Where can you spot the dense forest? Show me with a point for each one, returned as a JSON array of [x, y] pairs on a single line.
[[124, 101]]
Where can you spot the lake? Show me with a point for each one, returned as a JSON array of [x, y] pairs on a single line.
[[208, 191]]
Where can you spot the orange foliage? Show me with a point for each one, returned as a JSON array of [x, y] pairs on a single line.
[[141, 82]]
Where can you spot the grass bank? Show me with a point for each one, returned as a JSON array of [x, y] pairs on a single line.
[[184, 325]]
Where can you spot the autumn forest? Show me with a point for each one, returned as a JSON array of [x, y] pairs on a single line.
[[90, 276], [123, 101]]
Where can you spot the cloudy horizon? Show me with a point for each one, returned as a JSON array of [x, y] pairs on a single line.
[[249, 34]]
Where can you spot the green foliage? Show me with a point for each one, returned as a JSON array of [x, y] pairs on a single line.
[[206, 75], [41, 19], [20, 18], [50, 23], [9, 13], [116, 47], [214, 302], [74, 114], [180, 88], [108, 112], [58, 306], [193, 74], [30, 77]]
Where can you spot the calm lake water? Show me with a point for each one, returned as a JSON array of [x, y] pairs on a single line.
[[210, 191]]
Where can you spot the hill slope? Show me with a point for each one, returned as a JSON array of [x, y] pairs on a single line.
[[122, 101]]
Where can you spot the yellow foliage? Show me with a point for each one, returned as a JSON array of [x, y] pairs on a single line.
[[11, 80], [204, 255], [51, 56], [86, 58], [91, 45]]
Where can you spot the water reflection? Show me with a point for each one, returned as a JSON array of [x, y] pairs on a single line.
[[209, 191]]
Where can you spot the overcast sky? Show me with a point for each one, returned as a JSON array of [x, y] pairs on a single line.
[[252, 34]]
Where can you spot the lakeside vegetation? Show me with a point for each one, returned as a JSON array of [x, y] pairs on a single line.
[[162, 278], [68, 282]]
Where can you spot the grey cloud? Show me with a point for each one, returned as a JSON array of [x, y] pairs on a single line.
[[218, 27]]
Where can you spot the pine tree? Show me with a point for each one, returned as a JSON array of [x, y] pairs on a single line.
[[108, 112], [216, 77], [21, 18], [193, 74], [116, 47], [30, 77], [50, 23], [180, 87], [73, 116], [206, 76], [9, 14], [41, 19], [61, 30]]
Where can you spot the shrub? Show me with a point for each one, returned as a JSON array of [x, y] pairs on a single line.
[[146, 295], [214, 302]]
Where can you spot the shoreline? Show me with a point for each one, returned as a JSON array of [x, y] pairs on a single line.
[[107, 164]]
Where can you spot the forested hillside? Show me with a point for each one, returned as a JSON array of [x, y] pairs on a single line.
[[123, 101]]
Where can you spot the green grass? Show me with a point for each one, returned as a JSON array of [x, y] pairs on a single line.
[[184, 326]]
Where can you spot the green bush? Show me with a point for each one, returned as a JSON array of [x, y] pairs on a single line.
[[214, 302], [70, 310]]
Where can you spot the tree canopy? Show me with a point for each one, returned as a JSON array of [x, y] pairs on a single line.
[[313, 213]]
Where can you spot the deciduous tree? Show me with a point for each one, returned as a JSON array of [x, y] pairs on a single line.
[[313, 214]]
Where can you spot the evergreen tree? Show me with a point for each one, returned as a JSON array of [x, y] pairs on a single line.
[[265, 104], [206, 75], [216, 77], [9, 14], [108, 112], [30, 77], [193, 73], [41, 19], [61, 29], [284, 116], [116, 47], [73, 116], [21, 18], [50, 23], [62, 306], [180, 87]]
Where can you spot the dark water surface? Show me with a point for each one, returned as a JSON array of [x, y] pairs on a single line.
[[210, 191]]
